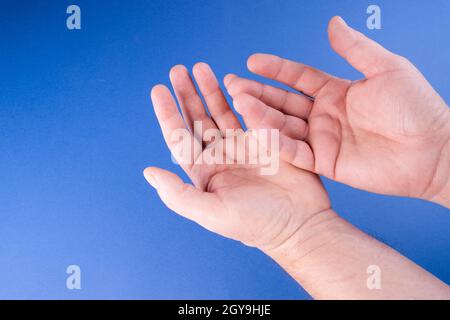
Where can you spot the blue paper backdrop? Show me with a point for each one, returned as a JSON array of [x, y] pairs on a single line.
[[77, 128]]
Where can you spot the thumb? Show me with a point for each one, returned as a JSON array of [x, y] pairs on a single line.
[[186, 200], [364, 54]]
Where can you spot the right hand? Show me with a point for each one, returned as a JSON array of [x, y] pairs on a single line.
[[388, 133]]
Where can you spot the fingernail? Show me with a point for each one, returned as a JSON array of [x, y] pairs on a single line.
[[343, 21], [150, 179], [227, 79]]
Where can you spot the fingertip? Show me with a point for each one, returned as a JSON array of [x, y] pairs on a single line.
[[204, 76], [147, 170], [158, 90], [259, 61], [228, 78], [336, 22], [149, 175], [177, 70], [201, 68], [251, 61]]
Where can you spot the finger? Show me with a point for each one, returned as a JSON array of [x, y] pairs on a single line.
[[258, 115], [217, 105], [289, 103], [362, 53], [172, 125], [297, 153], [190, 102], [202, 207], [296, 75]]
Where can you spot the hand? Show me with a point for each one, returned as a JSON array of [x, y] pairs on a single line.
[[234, 200], [388, 133]]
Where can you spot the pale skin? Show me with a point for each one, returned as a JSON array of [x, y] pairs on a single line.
[[388, 133], [287, 215]]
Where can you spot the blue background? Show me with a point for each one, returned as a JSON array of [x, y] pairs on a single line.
[[77, 129]]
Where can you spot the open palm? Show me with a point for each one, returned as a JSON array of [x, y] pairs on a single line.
[[234, 200], [385, 133]]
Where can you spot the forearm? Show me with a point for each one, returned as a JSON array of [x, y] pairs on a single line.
[[329, 258]]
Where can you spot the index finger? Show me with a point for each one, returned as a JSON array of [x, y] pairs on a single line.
[[296, 75], [178, 138]]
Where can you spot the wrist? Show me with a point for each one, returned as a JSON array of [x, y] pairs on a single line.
[[443, 196], [315, 232], [439, 191]]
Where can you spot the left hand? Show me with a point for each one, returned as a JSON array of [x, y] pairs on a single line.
[[234, 200]]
